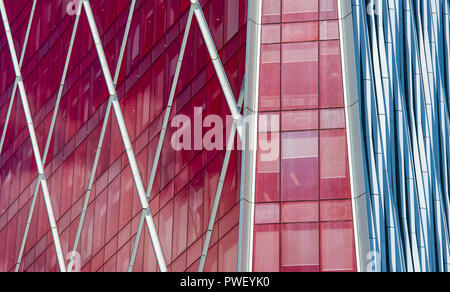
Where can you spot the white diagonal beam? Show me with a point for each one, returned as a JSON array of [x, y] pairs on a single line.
[[13, 95], [49, 139], [162, 135], [218, 66], [34, 143], [137, 240], [101, 139], [220, 185], [126, 139], [225, 84]]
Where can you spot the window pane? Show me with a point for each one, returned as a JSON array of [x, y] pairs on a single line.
[[300, 247], [300, 166]]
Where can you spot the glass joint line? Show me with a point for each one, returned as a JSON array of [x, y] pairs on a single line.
[[34, 143]]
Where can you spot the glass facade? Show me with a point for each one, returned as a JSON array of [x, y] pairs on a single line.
[[186, 181], [115, 115], [402, 50], [303, 212]]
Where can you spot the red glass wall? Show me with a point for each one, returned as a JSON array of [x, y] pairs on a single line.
[[303, 214], [186, 180]]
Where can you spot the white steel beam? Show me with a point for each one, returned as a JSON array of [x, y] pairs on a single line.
[[49, 139], [137, 240], [248, 167], [126, 139], [162, 134], [13, 95], [34, 142], [101, 139], [354, 139], [218, 66], [220, 185], [225, 85]]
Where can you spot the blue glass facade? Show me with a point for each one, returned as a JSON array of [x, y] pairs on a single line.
[[403, 66]]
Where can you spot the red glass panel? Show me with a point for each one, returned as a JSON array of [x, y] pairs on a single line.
[[267, 213], [270, 78], [299, 212], [300, 32], [299, 166], [300, 247], [334, 173], [300, 76], [294, 10], [337, 247], [271, 11], [331, 86], [339, 210], [266, 247]]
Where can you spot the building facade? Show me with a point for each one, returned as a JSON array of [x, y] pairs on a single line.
[[224, 135]]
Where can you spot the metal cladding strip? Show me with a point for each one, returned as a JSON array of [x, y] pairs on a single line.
[[101, 139], [375, 241], [250, 139], [411, 243], [34, 143], [13, 95], [416, 168], [382, 138], [126, 139], [218, 196], [162, 135], [218, 66], [49, 139], [431, 71], [137, 240], [383, 189], [404, 101], [354, 136]]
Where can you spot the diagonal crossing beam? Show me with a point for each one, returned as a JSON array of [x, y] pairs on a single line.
[[34, 142], [218, 65], [162, 135], [196, 10], [147, 217], [126, 139], [49, 139], [101, 139], [220, 185], [13, 95], [223, 79]]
